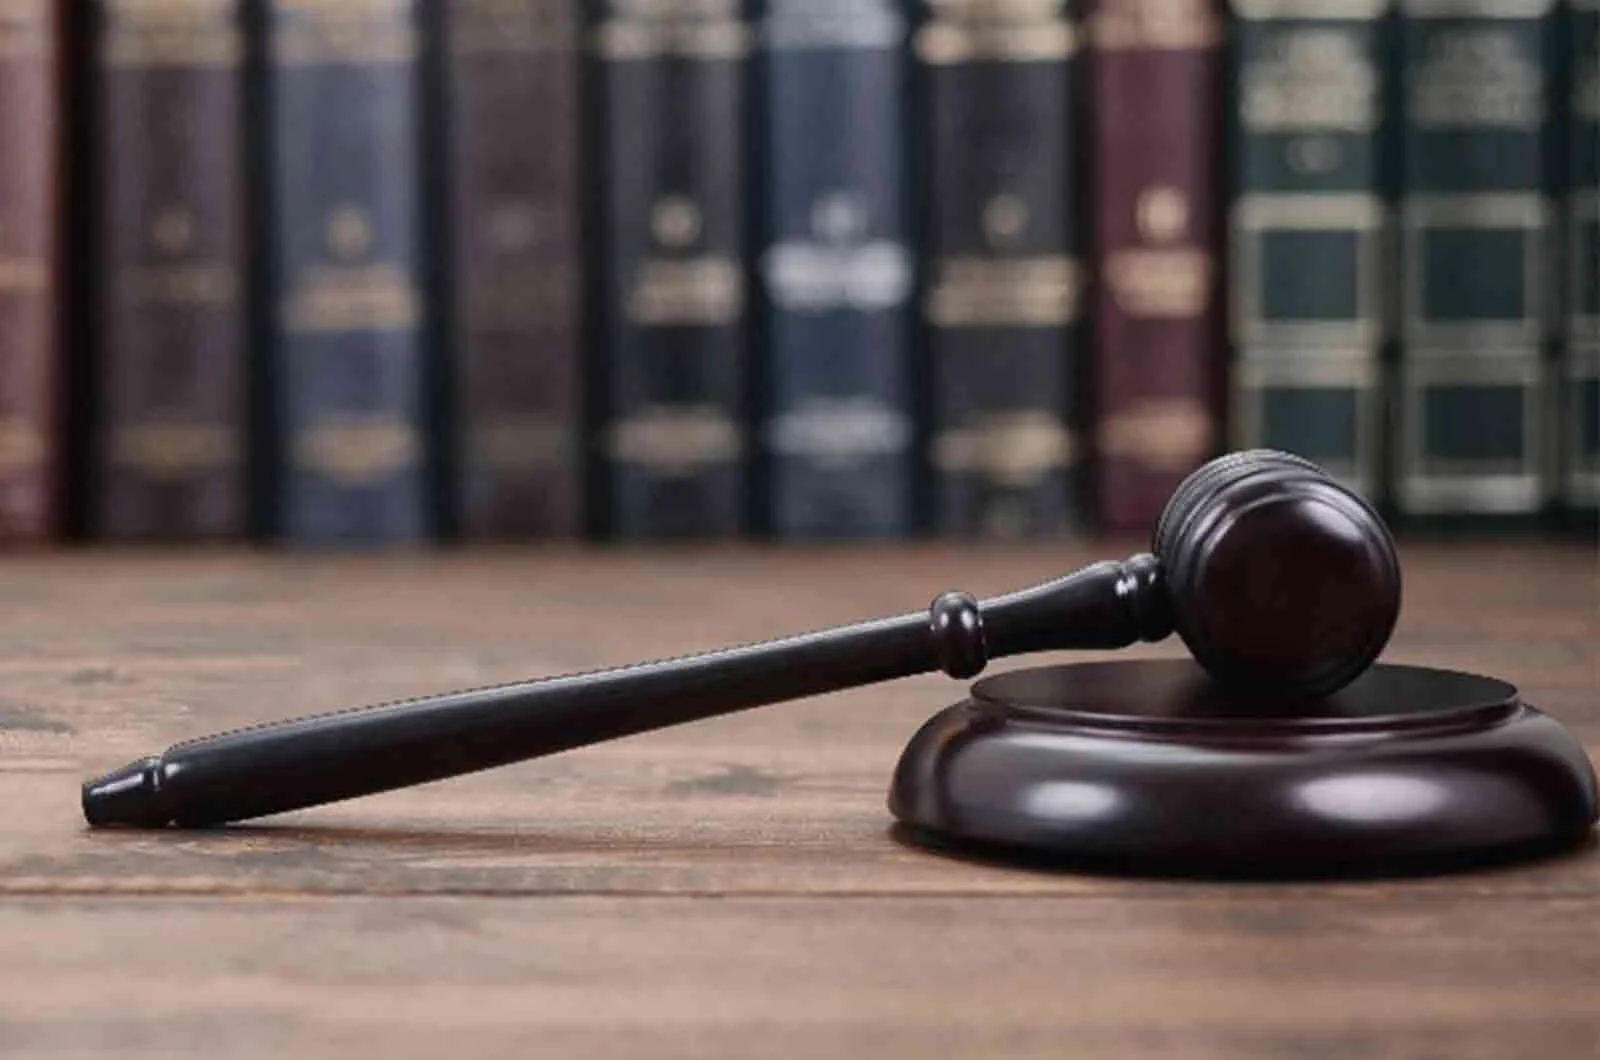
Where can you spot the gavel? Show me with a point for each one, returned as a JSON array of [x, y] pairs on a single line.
[[1278, 579]]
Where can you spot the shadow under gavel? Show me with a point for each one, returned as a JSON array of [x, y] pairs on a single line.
[[1277, 578]]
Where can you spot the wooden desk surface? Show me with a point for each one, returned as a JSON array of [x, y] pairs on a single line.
[[724, 889]]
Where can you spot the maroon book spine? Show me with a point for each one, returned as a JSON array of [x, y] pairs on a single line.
[[29, 273], [1155, 85], [516, 280]]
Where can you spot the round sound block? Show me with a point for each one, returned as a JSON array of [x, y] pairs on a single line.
[[1150, 767]]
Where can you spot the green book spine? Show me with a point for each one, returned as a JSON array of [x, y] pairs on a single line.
[[1477, 316], [1581, 412], [1307, 231]]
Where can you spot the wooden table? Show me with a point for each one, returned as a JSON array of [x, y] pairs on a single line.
[[725, 889]]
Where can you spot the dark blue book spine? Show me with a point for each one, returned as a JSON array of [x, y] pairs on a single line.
[[837, 269], [348, 307], [672, 300]]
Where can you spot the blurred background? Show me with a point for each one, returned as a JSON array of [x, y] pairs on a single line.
[[365, 272]]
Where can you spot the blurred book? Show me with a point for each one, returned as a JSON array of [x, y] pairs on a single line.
[[1155, 83], [1308, 236], [1477, 306], [31, 175], [349, 361], [511, 149], [1580, 406], [673, 304], [697, 269], [1004, 276], [171, 347], [837, 268]]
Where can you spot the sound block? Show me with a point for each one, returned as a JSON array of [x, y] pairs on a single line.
[[1151, 768]]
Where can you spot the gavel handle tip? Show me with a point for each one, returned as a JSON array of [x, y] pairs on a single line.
[[129, 797]]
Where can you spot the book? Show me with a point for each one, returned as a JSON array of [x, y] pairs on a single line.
[[1477, 316], [349, 363], [515, 275], [837, 269], [1308, 232], [30, 173], [1003, 290], [172, 337], [1580, 412], [673, 303], [1155, 84]]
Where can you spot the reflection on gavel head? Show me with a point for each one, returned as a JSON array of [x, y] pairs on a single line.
[[1279, 578]]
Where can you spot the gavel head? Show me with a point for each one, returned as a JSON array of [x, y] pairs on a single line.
[[1279, 578]]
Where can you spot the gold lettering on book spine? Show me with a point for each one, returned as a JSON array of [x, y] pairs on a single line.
[[343, 32], [692, 289], [184, 33], [964, 31], [948, 43], [20, 275], [694, 29], [22, 445], [512, 27], [25, 27], [1477, 77], [997, 10], [676, 439], [174, 450], [351, 294], [1036, 292], [357, 451], [1319, 79], [1016, 449], [178, 279], [370, 298], [1170, 434], [1164, 275], [1155, 25]]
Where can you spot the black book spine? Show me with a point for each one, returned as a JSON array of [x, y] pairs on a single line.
[[171, 336], [514, 275], [1003, 289], [673, 305]]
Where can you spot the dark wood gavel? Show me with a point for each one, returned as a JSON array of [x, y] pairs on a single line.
[[1277, 578]]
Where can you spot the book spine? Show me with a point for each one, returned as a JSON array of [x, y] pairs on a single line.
[[1158, 221], [1004, 284], [515, 280], [171, 335], [1476, 216], [837, 269], [29, 269], [1308, 233], [1581, 407], [673, 293], [346, 229]]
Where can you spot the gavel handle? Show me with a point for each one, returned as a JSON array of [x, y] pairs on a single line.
[[329, 757]]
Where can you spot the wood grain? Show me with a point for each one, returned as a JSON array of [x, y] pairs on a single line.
[[727, 888]]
